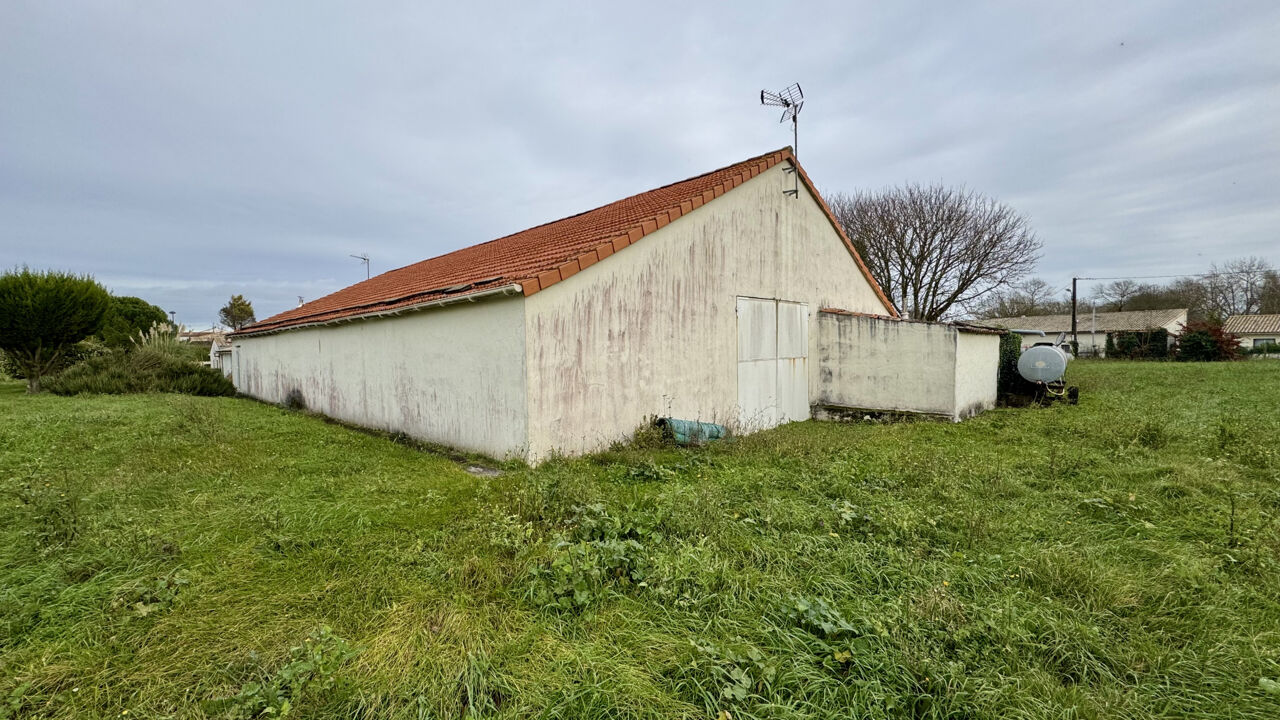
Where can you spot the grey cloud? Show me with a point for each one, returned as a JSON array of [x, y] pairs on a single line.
[[184, 152]]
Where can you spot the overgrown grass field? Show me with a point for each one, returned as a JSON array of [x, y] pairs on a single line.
[[173, 556]]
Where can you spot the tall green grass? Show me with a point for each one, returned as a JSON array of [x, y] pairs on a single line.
[[175, 556]]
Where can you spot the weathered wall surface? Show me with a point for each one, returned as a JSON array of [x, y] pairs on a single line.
[[977, 367], [876, 364], [652, 330], [453, 375]]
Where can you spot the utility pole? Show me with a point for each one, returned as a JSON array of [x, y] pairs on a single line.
[[1075, 337]]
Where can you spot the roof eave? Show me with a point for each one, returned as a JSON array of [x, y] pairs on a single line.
[[505, 290]]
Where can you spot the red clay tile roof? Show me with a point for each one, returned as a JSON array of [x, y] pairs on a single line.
[[541, 256]]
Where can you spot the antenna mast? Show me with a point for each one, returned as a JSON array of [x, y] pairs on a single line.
[[364, 258], [790, 99]]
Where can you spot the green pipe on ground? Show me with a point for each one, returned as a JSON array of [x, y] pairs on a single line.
[[690, 432]]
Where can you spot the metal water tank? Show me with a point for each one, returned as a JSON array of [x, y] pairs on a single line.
[[1042, 364]]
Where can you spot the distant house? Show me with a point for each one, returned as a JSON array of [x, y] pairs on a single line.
[[1254, 330], [707, 299], [203, 337], [1092, 328], [220, 354]]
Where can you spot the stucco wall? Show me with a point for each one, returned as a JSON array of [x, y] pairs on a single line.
[[652, 330], [876, 364], [1247, 339], [977, 368], [453, 375]]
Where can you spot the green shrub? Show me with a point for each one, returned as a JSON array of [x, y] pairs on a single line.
[[1139, 344], [1009, 382], [1206, 342], [1268, 349], [1010, 350], [140, 371], [43, 315], [126, 317], [77, 353]]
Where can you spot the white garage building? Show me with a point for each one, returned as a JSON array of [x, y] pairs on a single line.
[[698, 300]]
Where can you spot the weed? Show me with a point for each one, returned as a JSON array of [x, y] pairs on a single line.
[[55, 512], [649, 471], [14, 702], [647, 437], [721, 675], [814, 615], [312, 669], [150, 596], [599, 550], [1153, 434]]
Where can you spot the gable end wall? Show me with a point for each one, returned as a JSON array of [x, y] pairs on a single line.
[[652, 330]]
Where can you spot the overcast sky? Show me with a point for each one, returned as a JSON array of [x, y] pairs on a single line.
[[185, 151]]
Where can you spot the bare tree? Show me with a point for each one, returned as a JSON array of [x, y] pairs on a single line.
[[936, 249], [1030, 297], [1239, 287], [1181, 293], [1116, 295], [1270, 303]]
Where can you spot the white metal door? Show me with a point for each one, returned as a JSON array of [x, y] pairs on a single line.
[[773, 373], [757, 363], [793, 366]]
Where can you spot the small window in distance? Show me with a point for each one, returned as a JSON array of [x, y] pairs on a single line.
[[1259, 342]]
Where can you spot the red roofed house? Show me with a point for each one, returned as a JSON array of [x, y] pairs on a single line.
[[697, 300]]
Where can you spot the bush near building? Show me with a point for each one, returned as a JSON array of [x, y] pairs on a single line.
[[1139, 344], [1009, 382], [139, 371], [1206, 342]]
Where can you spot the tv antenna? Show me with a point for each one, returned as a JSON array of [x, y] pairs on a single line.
[[790, 99], [364, 258]]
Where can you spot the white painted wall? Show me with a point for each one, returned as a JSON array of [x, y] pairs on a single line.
[[453, 375], [977, 369], [1247, 340], [652, 330], [876, 364]]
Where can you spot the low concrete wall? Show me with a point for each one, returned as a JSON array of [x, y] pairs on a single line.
[[879, 364], [872, 363], [977, 368]]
